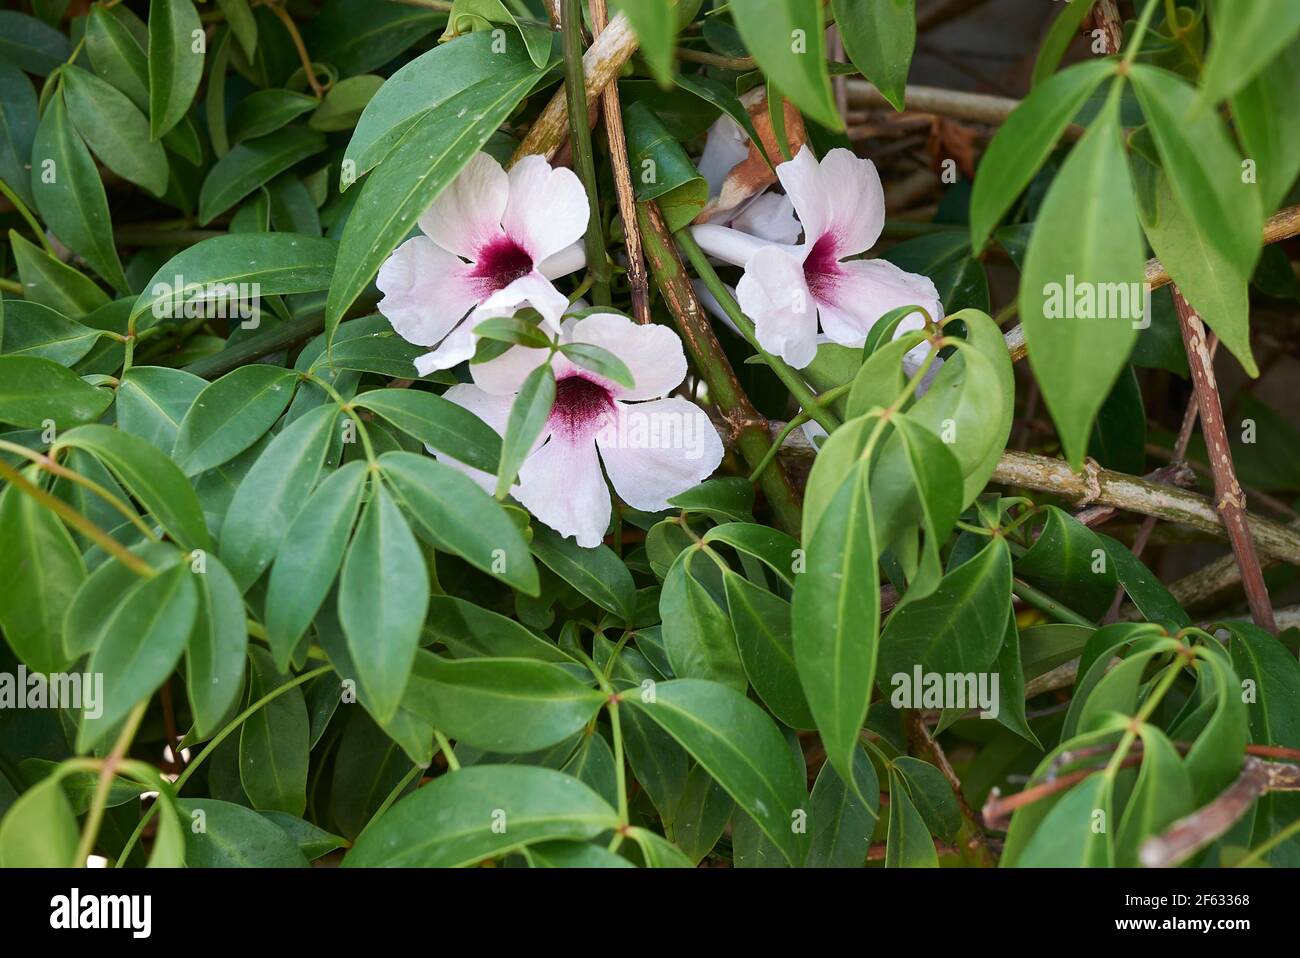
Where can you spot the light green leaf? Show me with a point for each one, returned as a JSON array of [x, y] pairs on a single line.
[[878, 37], [440, 423], [1246, 37], [231, 414], [787, 38], [696, 631], [175, 66], [252, 164]]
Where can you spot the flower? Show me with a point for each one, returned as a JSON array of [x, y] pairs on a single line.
[[491, 244], [762, 213], [786, 290], [652, 447]]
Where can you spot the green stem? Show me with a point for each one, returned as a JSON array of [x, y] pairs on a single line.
[[392, 797], [208, 749], [26, 214], [1260, 851], [1045, 603], [584, 163], [95, 817], [1139, 31], [805, 397], [448, 752]]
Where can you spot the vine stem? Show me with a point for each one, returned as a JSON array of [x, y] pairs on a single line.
[[303, 55], [208, 749], [95, 816], [584, 161], [1230, 500], [746, 429], [972, 843], [637, 279], [804, 396], [26, 214], [77, 520]]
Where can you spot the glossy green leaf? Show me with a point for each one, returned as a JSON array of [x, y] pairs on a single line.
[[252, 164], [115, 129], [1269, 131], [176, 49], [30, 44], [697, 633], [840, 822], [266, 111], [1059, 37], [1076, 833], [34, 330], [765, 640], [51, 282], [787, 39], [225, 835], [273, 741], [152, 401], [501, 705], [18, 120], [440, 423], [480, 812], [1246, 38], [597, 573], [1069, 561], [907, 842], [468, 630], [1161, 795], [214, 656], [741, 747], [878, 37], [39, 830], [661, 169], [1086, 251], [232, 414]]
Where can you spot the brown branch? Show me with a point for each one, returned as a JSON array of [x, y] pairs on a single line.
[[301, 47], [971, 840], [636, 270], [1193, 832], [1107, 19], [1231, 501], [600, 66]]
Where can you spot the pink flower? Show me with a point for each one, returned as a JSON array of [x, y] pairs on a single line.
[[492, 244], [786, 290], [652, 447]]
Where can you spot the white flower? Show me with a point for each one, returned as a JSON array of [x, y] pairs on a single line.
[[652, 448], [787, 289], [767, 215], [492, 244]]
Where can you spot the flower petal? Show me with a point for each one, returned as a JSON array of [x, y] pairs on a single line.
[[548, 207], [504, 374], [493, 410], [532, 289], [774, 294], [856, 201], [657, 450], [426, 291], [652, 353], [804, 184], [769, 216], [725, 145], [562, 485], [568, 260], [467, 215], [458, 346], [727, 244], [869, 288]]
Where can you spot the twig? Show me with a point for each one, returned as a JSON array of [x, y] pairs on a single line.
[[600, 66], [638, 281], [95, 816], [747, 430], [1231, 501], [1193, 832], [971, 840], [301, 47]]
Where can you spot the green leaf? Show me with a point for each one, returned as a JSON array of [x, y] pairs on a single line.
[[661, 169], [1060, 35], [34, 330], [115, 129], [357, 35], [772, 547], [841, 823], [878, 37], [1027, 138], [214, 656], [426, 159], [117, 56], [252, 164], [344, 103], [231, 414], [70, 195], [563, 854], [1070, 562], [309, 558], [272, 263], [528, 416], [439, 423], [242, 24], [152, 401], [1148, 593], [481, 812], [1074, 834], [599, 361], [425, 83], [273, 741], [787, 38], [764, 637], [597, 573], [1246, 38], [1269, 130], [151, 477], [1214, 760], [51, 282], [31, 45], [468, 631], [501, 705], [461, 518], [175, 67], [655, 24], [311, 840], [467, 16], [225, 835], [39, 830], [1161, 795], [43, 571], [740, 747], [1205, 175], [697, 633], [266, 111], [139, 648], [907, 842], [272, 492], [34, 389], [957, 628], [1086, 240], [18, 120], [383, 596], [657, 851], [836, 619]]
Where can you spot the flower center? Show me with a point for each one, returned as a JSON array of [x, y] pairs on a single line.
[[821, 270], [582, 407], [499, 264]]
